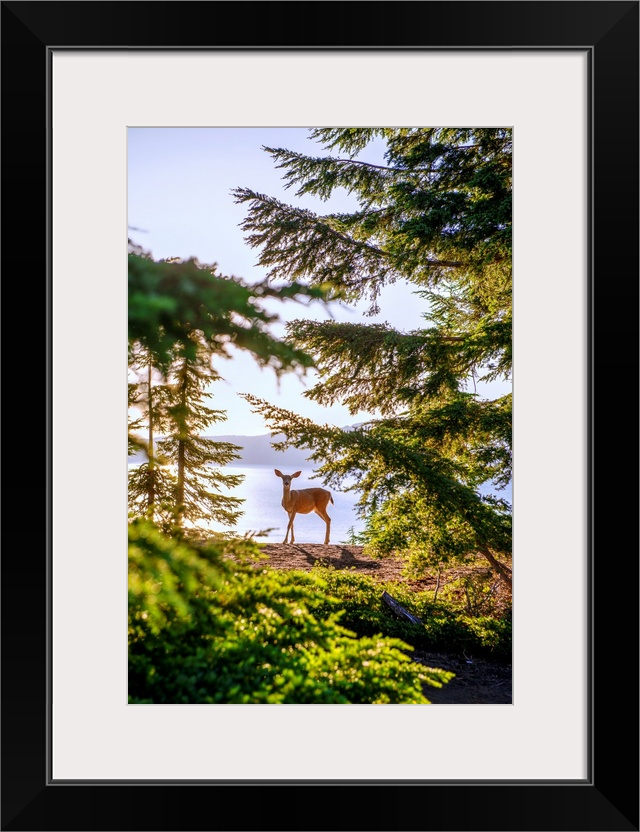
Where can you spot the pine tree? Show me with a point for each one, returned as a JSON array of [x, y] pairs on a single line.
[[437, 214], [150, 485], [198, 479]]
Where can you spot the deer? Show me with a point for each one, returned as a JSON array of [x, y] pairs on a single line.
[[304, 501]]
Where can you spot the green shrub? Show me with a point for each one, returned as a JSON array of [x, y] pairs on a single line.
[[204, 628]]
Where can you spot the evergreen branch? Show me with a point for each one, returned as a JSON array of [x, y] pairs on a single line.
[[406, 171], [386, 168], [169, 302], [376, 368], [297, 243]]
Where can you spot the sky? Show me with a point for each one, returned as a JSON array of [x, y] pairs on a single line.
[[180, 205]]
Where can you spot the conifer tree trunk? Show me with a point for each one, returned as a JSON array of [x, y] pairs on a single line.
[[150, 451], [182, 436], [502, 570]]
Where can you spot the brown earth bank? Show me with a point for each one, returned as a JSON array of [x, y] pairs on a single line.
[[477, 682]]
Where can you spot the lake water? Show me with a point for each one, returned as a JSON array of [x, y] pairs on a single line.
[[261, 490]]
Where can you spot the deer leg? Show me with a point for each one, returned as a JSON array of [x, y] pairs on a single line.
[[322, 512], [290, 528]]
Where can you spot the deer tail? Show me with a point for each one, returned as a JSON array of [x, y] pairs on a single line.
[[331, 498]]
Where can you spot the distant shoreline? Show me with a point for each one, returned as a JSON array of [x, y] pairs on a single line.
[[255, 450]]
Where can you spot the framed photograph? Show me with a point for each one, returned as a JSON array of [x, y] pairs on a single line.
[[80, 80]]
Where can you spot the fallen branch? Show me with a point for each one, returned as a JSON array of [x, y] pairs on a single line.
[[399, 610]]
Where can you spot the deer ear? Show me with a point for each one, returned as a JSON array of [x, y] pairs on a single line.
[[278, 473], [297, 474]]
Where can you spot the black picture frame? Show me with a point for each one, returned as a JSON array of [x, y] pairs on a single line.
[[608, 798]]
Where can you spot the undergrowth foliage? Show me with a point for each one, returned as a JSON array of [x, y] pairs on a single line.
[[204, 629]]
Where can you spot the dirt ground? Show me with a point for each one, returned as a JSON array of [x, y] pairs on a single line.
[[477, 682]]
